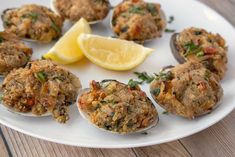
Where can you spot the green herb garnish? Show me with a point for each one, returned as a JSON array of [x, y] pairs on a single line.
[[33, 16], [133, 84], [156, 91], [125, 14], [114, 21], [1, 39], [152, 9], [207, 75], [167, 30], [171, 19], [41, 76], [136, 10], [144, 77], [1, 97], [164, 76], [191, 48], [55, 27], [200, 54], [165, 112]]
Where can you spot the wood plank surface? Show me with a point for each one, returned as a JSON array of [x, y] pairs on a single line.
[[216, 141], [3, 148], [25, 146]]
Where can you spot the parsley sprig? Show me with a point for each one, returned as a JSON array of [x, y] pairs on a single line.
[[191, 48]]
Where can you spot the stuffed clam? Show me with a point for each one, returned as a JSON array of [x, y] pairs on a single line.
[[188, 90], [116, 107], [196, 44]]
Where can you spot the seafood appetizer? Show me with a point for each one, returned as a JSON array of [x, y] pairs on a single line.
[[33, 22], [91, 10], [13, 53], [138, 20], [118, 108], [196, 44], [187, 90], [41, 88]]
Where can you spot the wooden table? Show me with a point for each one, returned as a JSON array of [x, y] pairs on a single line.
[[216, 141]]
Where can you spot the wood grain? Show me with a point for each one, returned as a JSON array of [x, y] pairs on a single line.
[[218, 140], [26, 146], [171, 149], [3, 148]]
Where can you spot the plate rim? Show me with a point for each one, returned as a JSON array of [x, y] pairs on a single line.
[[140, 144]]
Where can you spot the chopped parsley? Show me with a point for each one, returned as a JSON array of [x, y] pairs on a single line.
[[136, 10], [32, 15], [125, 14], [133, 84], [152, 9], [144, 77], [171, 19], [200, 54], [191, 48], [55, 27], [207, 75], [165, 112], [114, 21], [1, 97], [167, 30], [164, 76], [41, 76], [156, 91], [1, 39]]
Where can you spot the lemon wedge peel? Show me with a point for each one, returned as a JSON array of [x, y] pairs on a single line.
[[111, 53], [66, 50]]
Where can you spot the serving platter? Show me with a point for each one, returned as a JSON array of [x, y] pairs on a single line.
[[78, 132]]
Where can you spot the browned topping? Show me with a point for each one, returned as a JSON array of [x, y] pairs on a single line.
[[191, 90], [13, 53], [91, 10], [40, 87], [117, 107], [33, 22], [196, 44], [138, 20]]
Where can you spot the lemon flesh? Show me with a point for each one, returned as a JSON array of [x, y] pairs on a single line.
[[66, 50], [111, 53]]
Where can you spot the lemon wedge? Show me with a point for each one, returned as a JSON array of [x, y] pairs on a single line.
[[111, 53], [66, 50]]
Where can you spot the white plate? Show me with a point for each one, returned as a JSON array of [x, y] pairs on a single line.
[[78, 132]]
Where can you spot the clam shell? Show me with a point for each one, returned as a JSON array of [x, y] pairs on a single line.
[[174, 49]]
